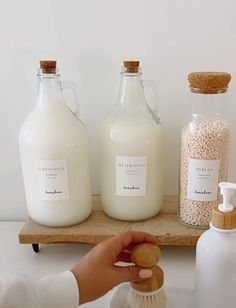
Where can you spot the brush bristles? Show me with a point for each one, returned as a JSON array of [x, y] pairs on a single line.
[[154, 299]]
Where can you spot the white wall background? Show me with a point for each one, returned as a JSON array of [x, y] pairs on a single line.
[[90, 38]]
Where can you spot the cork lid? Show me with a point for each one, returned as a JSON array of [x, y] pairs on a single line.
[[209, 82], [48, 66], [223, 220], [131, 66]]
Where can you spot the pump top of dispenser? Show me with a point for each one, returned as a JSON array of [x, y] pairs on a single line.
[[224, 215]]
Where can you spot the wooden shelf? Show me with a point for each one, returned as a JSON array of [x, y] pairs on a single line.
[[98, 227]]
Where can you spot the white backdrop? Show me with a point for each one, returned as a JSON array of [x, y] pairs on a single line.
[[90, 38]]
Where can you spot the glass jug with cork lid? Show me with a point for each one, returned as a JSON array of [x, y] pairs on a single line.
[[132, 150], [54, 154], [204, 148]]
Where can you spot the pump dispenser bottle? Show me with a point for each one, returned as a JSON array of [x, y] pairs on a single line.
[[215, 279]]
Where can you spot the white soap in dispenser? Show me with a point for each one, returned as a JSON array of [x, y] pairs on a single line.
[[215, 279]]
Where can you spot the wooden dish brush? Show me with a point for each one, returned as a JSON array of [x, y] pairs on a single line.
[[148, 293]]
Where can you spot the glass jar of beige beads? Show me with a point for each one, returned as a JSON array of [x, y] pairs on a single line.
[[204, 149]]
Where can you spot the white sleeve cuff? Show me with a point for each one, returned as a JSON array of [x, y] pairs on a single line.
[[58, 291]]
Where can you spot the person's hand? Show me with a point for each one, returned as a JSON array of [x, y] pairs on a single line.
[[98, 272]]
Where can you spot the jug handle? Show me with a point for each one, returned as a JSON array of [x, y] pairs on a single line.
[[151, 98], [74, 104]]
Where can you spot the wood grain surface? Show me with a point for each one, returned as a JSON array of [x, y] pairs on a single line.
[[98, 227]]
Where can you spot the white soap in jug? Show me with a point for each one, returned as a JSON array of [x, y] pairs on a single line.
[[54, 154], [132, 153]]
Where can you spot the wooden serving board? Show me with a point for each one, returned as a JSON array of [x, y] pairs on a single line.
[[98, 227]]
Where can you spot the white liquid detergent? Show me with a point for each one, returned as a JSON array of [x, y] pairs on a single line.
[[131, 138], [55, 161], [132, 158]]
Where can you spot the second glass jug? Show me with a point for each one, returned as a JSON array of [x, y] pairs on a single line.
[[132, 152]]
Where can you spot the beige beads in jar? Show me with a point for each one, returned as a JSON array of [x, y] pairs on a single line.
[[204, 149]]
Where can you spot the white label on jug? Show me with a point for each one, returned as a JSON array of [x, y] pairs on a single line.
[[203, 178], [131, 175], [52, 180]]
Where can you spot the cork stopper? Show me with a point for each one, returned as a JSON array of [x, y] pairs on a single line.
[[146, 255], [223, 220], [131, 66], [209, 82], [48, 66]]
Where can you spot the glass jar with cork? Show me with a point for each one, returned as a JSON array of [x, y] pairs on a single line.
[[204, 149], [54, 154], [132, 150]]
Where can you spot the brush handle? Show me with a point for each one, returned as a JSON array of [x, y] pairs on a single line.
[[145, 255], [151, 284]]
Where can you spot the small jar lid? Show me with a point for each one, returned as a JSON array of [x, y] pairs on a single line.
[[209, 82], [222, 220]]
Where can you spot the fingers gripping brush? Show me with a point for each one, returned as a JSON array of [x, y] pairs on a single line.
[[148, 293]]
